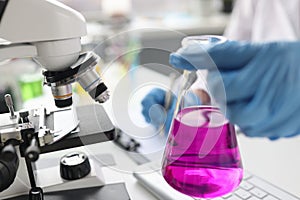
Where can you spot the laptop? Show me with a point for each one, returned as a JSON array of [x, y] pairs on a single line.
[[251, 187]]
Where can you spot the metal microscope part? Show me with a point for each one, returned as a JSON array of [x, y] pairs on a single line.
[[33, 151], [62, 95], [84, 72], [9, 163], [45, 135], [10, 105], [91, 81], [9, 128]]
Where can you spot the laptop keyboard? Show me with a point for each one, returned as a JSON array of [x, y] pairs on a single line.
[[251, 188], [254, 188]]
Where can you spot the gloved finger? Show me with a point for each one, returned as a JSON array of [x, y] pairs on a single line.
[[147, 103], [261, 115], [224, 56], [233, 54], [157, 115], [261, 122], [157, 94], [154, 113], [241, 84], [154, 97], [192, 57], [242, 98]]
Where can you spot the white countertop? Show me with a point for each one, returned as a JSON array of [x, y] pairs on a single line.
[[278, 161]]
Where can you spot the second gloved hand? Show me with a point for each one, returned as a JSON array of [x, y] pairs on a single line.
[[153, 108], [261, 82]]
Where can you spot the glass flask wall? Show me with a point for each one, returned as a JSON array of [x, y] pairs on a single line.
[[201, 157]]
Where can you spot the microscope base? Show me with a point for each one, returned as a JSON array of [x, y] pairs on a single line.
[[49, 179], [112, 192], [95, 127]]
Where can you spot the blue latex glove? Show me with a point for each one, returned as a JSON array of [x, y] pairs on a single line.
[[156, 114], [261, 81]]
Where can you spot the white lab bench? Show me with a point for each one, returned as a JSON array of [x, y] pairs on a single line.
[[278, 162], [272, 161]]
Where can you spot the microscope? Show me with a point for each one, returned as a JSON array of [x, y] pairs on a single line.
[[49, 32]]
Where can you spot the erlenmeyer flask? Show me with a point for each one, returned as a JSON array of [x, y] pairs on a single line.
[[201, 157]]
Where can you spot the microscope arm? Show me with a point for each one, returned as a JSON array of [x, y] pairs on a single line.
[[55, 55], [17, 51], [53, 28], [30, 21]]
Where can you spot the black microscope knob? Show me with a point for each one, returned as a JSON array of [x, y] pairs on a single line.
[[74, 166], [33, 151], [9, 164], [6, 179], [8, 152], [36, 193]]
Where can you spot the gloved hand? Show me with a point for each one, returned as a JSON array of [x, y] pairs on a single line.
[[261, 81], [154, 111]]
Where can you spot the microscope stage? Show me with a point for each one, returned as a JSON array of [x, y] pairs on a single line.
[[94, 126]]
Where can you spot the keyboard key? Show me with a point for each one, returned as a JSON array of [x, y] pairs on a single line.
[[246, 175], [254, 198], [258, 193], [270, 198], [280, 194], [242, 193], [245, 185], [227, 196], [234, 198]]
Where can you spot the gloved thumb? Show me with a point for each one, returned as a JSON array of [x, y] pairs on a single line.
[[223, 56]]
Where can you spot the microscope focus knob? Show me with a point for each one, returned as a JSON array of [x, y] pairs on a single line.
[[9, 152], [36, 193], [74, 166], [33, 152], [9, 164]]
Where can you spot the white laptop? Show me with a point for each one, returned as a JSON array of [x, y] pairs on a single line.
[[251, 188]]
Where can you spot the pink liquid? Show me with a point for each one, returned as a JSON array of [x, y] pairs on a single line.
[[202, 161]]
